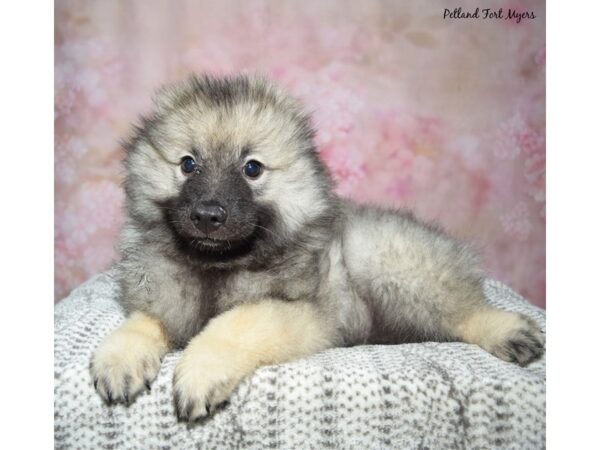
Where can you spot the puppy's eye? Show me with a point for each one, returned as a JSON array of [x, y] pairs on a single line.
[[252, 169], [188, 165]]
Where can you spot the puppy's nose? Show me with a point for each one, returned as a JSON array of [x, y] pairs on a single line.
[[208, 217]]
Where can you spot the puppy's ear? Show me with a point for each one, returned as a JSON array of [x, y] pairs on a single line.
[[168, 98]]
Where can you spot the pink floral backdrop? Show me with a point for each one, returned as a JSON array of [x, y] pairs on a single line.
[[443, 116]]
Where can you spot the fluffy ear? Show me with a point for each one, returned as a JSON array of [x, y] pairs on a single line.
[[172, 96]]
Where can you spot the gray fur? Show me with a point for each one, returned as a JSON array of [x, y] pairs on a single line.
[[380, 276]]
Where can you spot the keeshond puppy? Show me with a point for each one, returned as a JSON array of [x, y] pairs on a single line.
[[236, 248]]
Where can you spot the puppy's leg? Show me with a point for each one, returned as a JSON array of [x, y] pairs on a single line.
[[129, 358], [236, 343], [422, 285]]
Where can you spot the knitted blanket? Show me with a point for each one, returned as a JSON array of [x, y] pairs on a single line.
[[412, 396]]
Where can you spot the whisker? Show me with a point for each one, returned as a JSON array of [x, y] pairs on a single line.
[[270, 231]]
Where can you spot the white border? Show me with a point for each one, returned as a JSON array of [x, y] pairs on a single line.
[[573, 167], [26, 174]]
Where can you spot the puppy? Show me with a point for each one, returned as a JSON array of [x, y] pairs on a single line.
[[236, 248]]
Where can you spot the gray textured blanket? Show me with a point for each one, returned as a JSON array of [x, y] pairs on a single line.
[[431, 395]]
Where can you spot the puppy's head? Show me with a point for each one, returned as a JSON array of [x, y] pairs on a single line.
[[227, 165]]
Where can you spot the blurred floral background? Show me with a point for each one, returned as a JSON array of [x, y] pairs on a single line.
[[446, 117]]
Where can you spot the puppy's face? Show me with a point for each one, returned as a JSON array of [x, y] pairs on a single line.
[[225, 163]]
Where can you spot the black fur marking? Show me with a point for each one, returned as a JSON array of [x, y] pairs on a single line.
[[513, 358], [518, 347], [260, 248], [126, 388], [523, 349], [178, 409], [188, 409]]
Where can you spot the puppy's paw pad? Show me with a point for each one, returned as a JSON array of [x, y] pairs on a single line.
[[124, 365]]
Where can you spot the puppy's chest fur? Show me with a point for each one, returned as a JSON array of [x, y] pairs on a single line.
[[193, 297]]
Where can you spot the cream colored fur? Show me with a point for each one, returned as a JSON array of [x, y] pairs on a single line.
[[494, 329], [129, 358], [236, 343]]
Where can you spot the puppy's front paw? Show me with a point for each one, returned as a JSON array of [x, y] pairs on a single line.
[[202, 381], [125, 363]]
